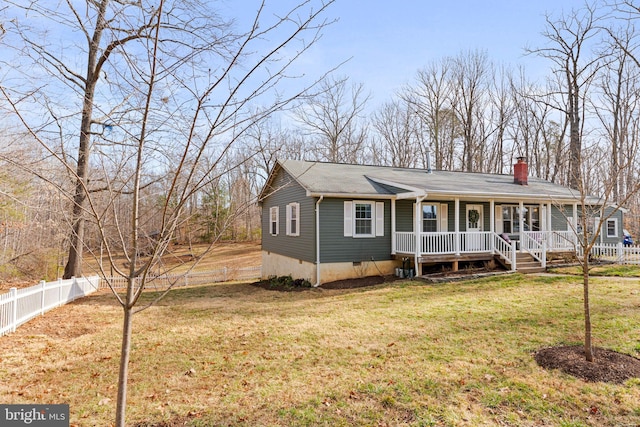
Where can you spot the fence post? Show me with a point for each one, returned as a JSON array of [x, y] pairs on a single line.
[[621, 257], [544, 254], [14, 312], [74, 287], [43, 284], [513, 256], [60, 292]]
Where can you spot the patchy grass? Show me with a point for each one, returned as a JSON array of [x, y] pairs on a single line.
[[404, 353], [180, 258], [612, 270]]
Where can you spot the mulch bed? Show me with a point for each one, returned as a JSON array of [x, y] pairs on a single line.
[[338, 284], [608, 365]]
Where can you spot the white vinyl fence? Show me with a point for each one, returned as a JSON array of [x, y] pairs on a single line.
[[616, 253], [18, 306], [194, 278], [21, 305]]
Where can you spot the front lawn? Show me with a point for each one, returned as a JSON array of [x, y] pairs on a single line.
[[404, 353], [613, 270]]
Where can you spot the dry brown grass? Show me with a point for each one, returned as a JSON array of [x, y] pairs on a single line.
[[179, 258], [393, 354]]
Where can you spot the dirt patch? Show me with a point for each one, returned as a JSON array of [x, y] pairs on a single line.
[[608, 366], [359, 282]]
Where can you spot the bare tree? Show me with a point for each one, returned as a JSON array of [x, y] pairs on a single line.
[[618, 103], [432, 97], [333, 118], [579, 62], [472, 74], [182, 87], [571, 39], [501, 113], [399, 128], [533, 130]]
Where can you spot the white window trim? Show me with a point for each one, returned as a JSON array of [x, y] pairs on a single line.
[[372, 219], [615, 227], [291, 218], [274, 211], [377, 218], [435, 220]]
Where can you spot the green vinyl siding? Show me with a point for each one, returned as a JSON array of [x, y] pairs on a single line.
[[560, 217], [285, 190], [336, 247], [404, 214], [618, 217]]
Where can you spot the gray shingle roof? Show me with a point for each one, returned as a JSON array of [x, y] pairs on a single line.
[[335, 179]]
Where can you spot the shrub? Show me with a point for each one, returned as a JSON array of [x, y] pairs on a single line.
[[288, 282]]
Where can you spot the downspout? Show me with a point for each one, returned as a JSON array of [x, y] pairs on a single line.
[[318, 241]]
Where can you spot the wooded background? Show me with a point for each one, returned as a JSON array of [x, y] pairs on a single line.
[[465, 112]]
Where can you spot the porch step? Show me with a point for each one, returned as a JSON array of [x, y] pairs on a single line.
[[527, 264]]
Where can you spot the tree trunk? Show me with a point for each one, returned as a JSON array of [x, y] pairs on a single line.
[[588, 348], [125, 350], [575, 142], [73, 267]]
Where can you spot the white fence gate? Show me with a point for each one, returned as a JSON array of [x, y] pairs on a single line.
[[21, 305]]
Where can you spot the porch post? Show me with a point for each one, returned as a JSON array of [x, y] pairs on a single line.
[[541, 221], [393, 226], [549, 229], [492, 226], [417, 227], [521, 220], [574, 224], [457, 225]]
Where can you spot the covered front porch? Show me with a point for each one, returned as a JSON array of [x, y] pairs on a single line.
[[467, 230], [445, 246]]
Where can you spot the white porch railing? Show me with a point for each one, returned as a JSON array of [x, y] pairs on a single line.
[[561, 240], [506, 250], [438, 243], [554, 240], [405, 242], [446, 243], [535, 243]]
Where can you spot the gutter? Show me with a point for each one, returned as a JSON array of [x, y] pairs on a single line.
[[318, 241]]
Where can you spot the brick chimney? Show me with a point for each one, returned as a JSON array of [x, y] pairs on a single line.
[[521, 171]]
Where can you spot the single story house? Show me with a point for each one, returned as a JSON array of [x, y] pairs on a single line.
[[328, 221]]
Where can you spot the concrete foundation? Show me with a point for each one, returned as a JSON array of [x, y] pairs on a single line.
[[279, 265]]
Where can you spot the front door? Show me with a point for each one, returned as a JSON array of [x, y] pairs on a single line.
[[474, 217], [474, 224]]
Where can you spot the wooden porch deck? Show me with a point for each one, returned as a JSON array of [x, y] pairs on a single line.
[[455, 247]]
